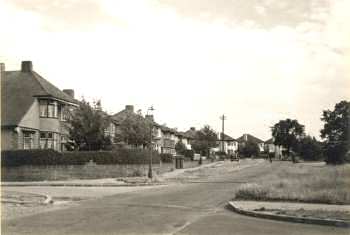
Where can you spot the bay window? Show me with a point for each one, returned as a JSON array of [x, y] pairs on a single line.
[[48, 140]]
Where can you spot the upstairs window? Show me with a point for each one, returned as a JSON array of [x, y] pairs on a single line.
[[48, 109]]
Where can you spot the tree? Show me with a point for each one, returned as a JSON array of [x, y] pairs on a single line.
[[249, 149], [286, 133], [205, 139], [134, 130], [180, 148], [86, 126], [310, 149], [336, 132]]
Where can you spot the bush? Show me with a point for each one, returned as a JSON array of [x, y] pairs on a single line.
[[310, 149], [50, 157], [336, 153], [249, 149], [166, 157], [189, 153]]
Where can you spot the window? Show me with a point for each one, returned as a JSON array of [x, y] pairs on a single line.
[[48, 109], [48, 140], [28, 140], [64, 113], [43, 108]]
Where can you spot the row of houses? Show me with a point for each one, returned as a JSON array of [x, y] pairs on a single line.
[[34, 113]]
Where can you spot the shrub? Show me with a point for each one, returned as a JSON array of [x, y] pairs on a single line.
[[336, 153], [249, 149], [51, 157], [166, 157], [310, 149], [180, 148], [189, 153]]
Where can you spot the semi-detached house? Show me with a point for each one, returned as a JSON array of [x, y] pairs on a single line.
[[33, 111]]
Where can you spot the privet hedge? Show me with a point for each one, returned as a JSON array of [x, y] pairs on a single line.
[[50, 157]]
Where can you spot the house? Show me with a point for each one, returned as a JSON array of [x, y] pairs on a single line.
[[168, 140], [183, 138], [227, 144], [163, 137], [190, 135], [250, 138], [33, 111], [271, 148]]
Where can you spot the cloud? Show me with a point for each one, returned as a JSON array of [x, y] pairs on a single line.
[[265, 13], [63, 15]]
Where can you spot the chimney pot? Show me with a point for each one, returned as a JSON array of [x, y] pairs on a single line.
[[69, 92], [27, 66]]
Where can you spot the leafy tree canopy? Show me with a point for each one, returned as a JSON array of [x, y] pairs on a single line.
[[286, 133], [86, 126], [205, 139], [336, 132], [134, 130]]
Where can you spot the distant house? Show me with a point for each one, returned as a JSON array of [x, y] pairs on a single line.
[[227, 144], [33, 111], [183, 138], [270, 147], [163, 137], [250, 138], [168, 140]]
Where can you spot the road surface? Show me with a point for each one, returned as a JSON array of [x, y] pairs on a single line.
[[194, 203]]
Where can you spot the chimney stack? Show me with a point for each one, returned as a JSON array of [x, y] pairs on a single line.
[[69, 92], [27, 66], [129, 108]]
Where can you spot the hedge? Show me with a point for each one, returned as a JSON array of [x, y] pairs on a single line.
[[50, 157], [166, 157]]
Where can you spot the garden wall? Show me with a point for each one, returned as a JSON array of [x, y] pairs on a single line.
[[87, 171]]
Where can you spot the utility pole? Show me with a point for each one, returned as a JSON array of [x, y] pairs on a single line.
[[223, 118], [150, 171]]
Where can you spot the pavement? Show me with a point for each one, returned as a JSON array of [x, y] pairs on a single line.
[[197, 205]]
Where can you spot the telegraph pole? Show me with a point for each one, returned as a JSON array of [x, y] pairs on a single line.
[[223, 118]]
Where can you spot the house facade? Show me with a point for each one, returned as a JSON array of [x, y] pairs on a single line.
[[250, 138], [271, 148], [33, 111], [227, 144]]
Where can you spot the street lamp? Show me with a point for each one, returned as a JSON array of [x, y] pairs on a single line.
[[150, 173]]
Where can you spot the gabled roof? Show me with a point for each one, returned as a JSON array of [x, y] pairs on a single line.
[[226, 137], [18, 93], [250, 138], [191, 134]]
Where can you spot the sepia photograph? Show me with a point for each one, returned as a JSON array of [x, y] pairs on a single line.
[[175, 117]]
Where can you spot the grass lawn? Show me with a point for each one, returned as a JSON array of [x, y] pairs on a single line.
[[302, 182]]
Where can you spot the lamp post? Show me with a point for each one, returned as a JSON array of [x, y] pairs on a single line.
[[150, 172]]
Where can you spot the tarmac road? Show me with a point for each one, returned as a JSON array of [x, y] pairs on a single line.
[[180, 208]]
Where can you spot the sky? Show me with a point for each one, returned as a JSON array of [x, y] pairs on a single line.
[[256, 61]]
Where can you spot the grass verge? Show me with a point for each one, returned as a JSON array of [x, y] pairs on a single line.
[[316, 183]]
